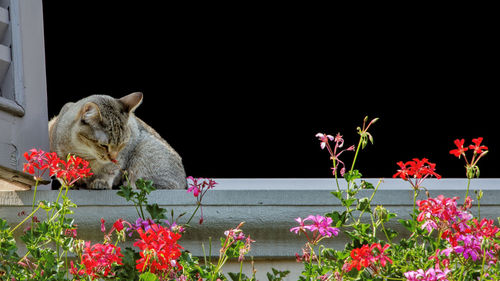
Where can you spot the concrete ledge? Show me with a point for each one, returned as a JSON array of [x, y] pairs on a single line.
[[268, 206]]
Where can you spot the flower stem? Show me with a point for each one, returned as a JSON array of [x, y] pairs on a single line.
[[370, 200], [25, 219], [57, 200], [467, 191], [195, 210], [34, 195], [241, 270], [482, 266], [34, 200], [356, 154]]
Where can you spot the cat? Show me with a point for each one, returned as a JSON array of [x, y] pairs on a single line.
[[105, 131]]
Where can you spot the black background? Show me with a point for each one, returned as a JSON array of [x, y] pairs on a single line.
[[240, 91]]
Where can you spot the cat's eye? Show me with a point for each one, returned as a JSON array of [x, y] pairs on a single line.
[[105, 146]]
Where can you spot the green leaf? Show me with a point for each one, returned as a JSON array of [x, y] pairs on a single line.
[[126, 192], [337, 218], [364, 205], [352, 175], [147, 276], [366, 185], [145, 185], [391, 233], [337, 194], [408, 224], [348, 202], [156, 212], [236, 276]]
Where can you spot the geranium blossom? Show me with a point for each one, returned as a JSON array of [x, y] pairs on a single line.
[[324, 138], [415, 171], [430, 275], [320, 228], [360, 257], [471, 246], [39, 162], [366, 257], [200, 186], [72, 170], [322, 225], [441, 207], [97, 260], [334, 155], [477, 147], [460, 150], [159, 249], [472, 170]]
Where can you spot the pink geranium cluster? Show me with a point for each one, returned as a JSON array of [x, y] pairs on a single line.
[[199, 187], [430, 275], [465, 235], [320, 228]]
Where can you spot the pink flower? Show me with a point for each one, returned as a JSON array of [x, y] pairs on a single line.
[[430, 275], [339, 142], [322, 225], [301, 226], [199, 187], [320, 228], [324, 139], [103, 226]]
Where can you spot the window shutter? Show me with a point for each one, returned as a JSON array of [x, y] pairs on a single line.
[[11, 95], [23, 94]]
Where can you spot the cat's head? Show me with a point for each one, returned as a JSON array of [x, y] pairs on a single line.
[[102, 126]]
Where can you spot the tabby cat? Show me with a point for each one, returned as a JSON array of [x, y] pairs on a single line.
[[105, 131]]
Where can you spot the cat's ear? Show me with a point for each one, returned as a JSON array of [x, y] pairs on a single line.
[[90, 111], [132, 101]]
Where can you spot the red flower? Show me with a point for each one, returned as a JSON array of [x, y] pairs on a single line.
[[360, 257], [381, 257], [442, 208], [159, 249], [416, 169], [472, 170], [485, 228], [39, 162], [118, 225], [72, 170], [478, 148], [460, 148], [97, 260], [365, 257]]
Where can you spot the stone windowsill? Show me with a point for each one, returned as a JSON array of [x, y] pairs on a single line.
[[268, 207]]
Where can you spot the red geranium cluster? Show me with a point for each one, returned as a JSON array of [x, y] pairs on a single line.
[[367, 256], [39, 162], [416, 169], [472, 169], [97, 261], [159, 250], [69, 171]]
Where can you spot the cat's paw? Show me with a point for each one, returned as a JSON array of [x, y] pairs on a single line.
[[99, 184]]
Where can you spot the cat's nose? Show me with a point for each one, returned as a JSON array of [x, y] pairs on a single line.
[[113, 155]]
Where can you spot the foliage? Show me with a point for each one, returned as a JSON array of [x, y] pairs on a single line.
[[444, 240]]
